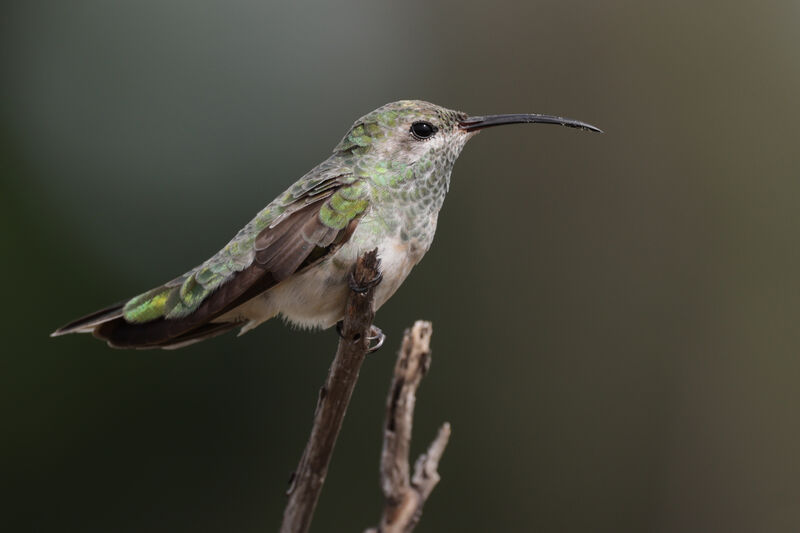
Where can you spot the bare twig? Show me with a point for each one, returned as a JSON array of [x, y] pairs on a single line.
[[406, 496], [334, 397]]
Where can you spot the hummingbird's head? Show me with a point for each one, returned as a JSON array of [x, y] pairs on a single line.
[[425, 137], [407, 132]]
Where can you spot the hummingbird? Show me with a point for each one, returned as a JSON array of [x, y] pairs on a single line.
[[382, 188]]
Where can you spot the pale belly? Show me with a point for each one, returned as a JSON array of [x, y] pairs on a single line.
[[316, 297]]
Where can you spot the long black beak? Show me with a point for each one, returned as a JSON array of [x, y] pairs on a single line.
[[477, 123]]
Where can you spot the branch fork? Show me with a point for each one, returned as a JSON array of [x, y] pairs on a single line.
[[405, 495]]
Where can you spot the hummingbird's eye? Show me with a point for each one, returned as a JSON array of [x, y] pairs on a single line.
[[423, 130]]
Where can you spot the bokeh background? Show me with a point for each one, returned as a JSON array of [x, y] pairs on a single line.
[[616, 338]]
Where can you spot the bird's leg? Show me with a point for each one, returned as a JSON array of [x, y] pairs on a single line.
[[375, 334], [361, 289]]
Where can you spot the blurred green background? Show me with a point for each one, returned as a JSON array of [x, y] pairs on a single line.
[[615, 317]]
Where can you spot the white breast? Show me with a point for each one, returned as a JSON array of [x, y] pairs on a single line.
[[316, 297]]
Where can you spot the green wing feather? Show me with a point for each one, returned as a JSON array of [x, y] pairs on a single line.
[[341, 198]]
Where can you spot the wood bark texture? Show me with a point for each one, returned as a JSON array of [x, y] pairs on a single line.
[[405, 494], [334, 397]]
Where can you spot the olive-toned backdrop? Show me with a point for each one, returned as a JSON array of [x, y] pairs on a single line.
[[616, 316]]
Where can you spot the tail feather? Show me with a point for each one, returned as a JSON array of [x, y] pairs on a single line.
[[158, 334], [212, 329]]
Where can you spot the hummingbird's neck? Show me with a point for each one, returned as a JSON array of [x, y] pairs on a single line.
[[423, 182], [407, 200]]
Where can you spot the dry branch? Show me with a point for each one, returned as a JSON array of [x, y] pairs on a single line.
[[405, 495], [333, 399]]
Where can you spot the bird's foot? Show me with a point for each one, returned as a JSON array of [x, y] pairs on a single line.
[[362, 288], [375, 335]]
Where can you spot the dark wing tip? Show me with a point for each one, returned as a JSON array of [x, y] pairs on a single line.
[[87, 323]]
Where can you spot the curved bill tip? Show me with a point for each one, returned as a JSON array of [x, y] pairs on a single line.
[[477, 123]]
